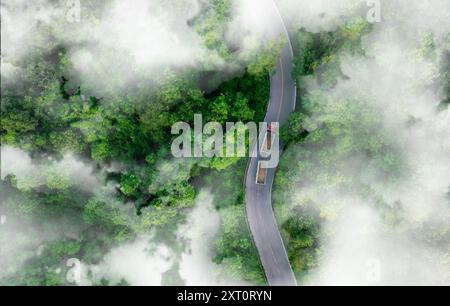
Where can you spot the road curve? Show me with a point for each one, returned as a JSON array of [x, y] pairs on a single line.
[[260, 215]]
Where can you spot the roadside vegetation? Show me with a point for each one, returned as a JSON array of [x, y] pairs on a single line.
[[126, 139], [136, 187], [317, 56], [335, 145]]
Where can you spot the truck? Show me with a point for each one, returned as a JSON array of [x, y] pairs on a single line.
[[269, 138], [261, 174]]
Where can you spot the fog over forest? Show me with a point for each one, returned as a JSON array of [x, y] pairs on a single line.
[[362, 194]]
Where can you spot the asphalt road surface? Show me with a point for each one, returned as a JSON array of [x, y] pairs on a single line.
[[260, 215]]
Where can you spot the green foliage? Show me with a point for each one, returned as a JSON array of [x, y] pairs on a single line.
[[234, 246], [125, 136], [343, 133], [129, 184], [235, 249], [64, 249], [241, 109], [11, 180], [339, 131], [228, 184], [313, 50], [219, 109], [264, 63], [293, 130], [95, 211], [302, 235], [211, 25], [239, 99]]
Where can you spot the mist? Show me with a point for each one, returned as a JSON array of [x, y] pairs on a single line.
[[401, 83], [144, 261], [32, 173], [22, 237], [129, 42], [114, 46]]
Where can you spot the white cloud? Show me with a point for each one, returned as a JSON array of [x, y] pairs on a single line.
[[203, 223], [31, 173], [122, 43], [20, 20], [319, 15], [22, 237], [143, 262], [140, 263], [126, 42], [136, 40], [399, 82], [196, 266], [362, 251]]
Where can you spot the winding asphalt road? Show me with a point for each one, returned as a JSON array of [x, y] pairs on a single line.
[[260, 215]]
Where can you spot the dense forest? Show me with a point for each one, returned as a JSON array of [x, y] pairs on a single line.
[[338, 146], [55, 119], [126, 138]]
